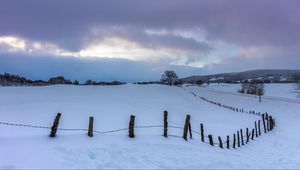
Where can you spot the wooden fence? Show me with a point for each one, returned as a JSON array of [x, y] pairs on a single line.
[[238, 138], [260, 127]]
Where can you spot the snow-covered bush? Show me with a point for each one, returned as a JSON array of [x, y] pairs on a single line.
[[255, 87]]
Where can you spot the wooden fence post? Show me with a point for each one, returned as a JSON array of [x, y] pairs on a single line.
[[55, 125], [242, 137], [202, 132], [259, 133], [186, 127], [264, 122], [247, 135], [260, 92], [211, 142], [233, 145], [268, 122], [252, 134], [271, 123], [91, 123], [227, 142], [238, 138], [165, 124], [256, 135], [220, 142], [131, 126], [190, 131]]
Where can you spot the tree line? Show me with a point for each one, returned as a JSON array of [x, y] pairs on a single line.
[[7, 79]]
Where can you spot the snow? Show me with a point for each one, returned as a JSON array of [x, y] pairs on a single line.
[[272, 90], [112, 106], [216, 78]]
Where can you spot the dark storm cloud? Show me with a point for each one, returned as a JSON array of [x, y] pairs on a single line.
[[68, 22]]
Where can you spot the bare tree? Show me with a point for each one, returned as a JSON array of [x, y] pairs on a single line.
[[76, 82], [199, 82], [169, 77], [89, 82]]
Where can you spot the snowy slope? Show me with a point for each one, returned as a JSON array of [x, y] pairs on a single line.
[[275, 90], [112, 105]]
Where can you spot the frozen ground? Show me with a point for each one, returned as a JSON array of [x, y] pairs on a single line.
[[272, 90], [111, 107]]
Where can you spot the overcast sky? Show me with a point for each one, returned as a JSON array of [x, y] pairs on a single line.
[[136, 40]]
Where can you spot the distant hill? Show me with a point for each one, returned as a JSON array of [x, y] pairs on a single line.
[[268, 76]]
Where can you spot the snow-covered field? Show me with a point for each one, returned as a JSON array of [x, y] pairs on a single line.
[[112, 106], [276, 90]]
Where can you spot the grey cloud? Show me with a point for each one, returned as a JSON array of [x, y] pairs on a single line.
[[68, 22], [286, 58], [153, 41]]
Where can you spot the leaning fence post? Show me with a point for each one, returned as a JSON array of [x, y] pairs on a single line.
[[259, 133], [186, 127], [247, 135], [256, 129], [264, 122], [227, 142], [252, 137], [211, 142], [165, 124], [238, 138], [90, 131], [202, 132], [55, 125], [131, 126], [242, 138], [220, 142], [233, 145]]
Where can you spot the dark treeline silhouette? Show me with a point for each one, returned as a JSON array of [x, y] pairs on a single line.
[[7, 79]]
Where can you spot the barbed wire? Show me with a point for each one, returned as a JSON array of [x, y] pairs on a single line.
[[110, 131], [82, 129], [149, 126], [215, 144], [25, 125], [175, 127]]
